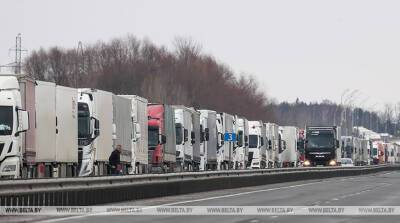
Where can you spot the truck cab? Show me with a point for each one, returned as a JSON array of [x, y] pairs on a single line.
[[13, 122], [321, 146], [257, 156], [88, 131]]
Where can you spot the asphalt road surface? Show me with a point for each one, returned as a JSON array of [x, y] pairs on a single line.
[[381, 189]]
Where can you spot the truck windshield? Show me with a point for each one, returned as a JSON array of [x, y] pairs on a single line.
[[321, 141], [253, 141], [178, 129], [6, 120], [83, 121], [153, 136]]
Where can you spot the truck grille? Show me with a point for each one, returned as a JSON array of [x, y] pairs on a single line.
[[1, 148]]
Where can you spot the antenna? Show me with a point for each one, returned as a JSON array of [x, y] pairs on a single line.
[[17, 64]]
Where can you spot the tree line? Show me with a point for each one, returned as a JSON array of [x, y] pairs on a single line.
[[185, 75]]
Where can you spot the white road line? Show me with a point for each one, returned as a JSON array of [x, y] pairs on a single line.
[[211, 198]]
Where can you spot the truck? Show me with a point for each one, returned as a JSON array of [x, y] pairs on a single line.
[[95, 131], [184, 138], [289, 154], [257, 158], [196, 138], [241, 153], [274, 143], [227, 126], [122, 130], [208, 147], [161, 138], [38, 128], [322, 146], [139, 141]]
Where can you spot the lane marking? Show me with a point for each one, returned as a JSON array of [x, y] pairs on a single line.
[[214, 198]]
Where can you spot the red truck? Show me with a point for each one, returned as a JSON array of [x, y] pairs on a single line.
[[161, 138]]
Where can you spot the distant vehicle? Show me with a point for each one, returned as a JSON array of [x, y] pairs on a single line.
[[274, 143], [208, 147], [240, 154], [161, 138], [184, 140], [225, 124], [346, 162], [257, 145], [322, 146], [289, 154]]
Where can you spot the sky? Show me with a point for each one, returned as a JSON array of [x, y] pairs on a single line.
[[311, 50]]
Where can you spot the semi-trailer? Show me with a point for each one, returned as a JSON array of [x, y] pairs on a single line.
[[274, 142], [257, 157], [122, 131], [139, 162], [196, 139], [225, 125], [208, 147], [161, 138], [289, 155], [322, 144], [240, 154], [95, 131]]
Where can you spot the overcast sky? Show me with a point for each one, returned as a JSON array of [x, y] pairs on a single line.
[[307, 49]]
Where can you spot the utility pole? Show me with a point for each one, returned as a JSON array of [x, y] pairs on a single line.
[[17, 64]]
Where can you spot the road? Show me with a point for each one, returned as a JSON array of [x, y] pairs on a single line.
[[382, 189]]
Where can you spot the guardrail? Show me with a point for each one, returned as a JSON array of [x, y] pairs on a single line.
[[100, 190]]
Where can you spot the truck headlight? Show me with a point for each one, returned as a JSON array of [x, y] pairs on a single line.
[[9, 168], [332, 163], [307, 163]]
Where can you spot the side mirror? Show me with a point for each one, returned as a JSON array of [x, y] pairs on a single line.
[[23, 121], [163, 139], [96, 123], [269, 144], [96, 132], [185, 135], [337, 144]]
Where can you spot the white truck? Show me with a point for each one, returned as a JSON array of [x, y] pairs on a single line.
[[240, 154], [122, 130], [225, 124], [257, 157], [47, 147], [139, 163], [95, 127], [196, 138], [208, 147], [274, 143], [184, 141], [289, 154]]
